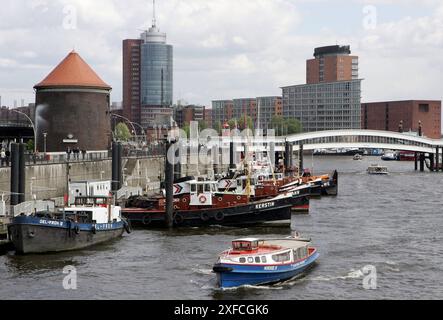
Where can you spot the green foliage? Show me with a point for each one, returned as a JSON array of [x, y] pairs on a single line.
[[202, 125], [30, 145], [187, 129], [284, 126], [217, 127], [247, 123], [122, 132]]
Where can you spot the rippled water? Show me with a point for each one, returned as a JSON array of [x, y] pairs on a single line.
[[393, 223]]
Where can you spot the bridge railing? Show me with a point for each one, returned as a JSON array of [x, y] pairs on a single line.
[[362, 139]]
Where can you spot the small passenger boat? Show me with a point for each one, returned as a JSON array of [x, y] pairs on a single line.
[[258, 262], [376, 169], [358, 157]]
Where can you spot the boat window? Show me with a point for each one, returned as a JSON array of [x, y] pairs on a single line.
[[282, 257], [242, 260], [250, 260], [200, 188], [207, 188], [193, 188], [257, 259], [264, 260], [241, 245], [296, 257]]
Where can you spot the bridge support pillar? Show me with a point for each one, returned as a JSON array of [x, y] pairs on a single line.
[[432, 162], [422, 162], [416, 161]]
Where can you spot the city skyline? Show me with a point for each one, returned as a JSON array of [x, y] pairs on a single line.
[[218, 57]]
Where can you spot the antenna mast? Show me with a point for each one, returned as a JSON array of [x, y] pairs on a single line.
[[154, 22]]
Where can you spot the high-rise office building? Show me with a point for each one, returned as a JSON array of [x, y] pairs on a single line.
[[148, 78], [331, 99]]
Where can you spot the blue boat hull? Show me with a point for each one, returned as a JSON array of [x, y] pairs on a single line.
[[231, 276], [42, 235]]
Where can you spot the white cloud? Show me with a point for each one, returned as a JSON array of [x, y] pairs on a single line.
[[222, 48]]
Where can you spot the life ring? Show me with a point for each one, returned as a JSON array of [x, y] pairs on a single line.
[[219, 216], [147, 220], [205, 216], [184, 200], [77, 230], [175, 207], [202, 199], [220, 199], [94, 229], [238, 198], [178, 218]]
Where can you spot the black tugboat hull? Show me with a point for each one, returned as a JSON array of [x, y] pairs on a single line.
[[258, 213], [33, 237]]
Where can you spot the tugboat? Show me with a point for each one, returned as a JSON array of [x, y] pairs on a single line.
[[259, 262], [199, 203], [92, 220]]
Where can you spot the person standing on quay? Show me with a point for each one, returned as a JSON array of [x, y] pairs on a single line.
[[8, 157], [2, 157]]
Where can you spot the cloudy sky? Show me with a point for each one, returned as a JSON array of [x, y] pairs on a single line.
[[229, 48]]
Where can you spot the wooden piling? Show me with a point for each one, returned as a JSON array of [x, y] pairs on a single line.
[[169, 185]]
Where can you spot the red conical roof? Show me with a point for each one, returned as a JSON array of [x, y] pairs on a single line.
[[73, 71]]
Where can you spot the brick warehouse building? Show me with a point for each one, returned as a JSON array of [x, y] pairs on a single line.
[[389, 114]]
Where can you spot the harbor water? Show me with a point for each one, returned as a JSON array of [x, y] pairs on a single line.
[[392, 223]]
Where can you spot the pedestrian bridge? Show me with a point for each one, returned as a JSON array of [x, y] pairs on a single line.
[[364, 139]]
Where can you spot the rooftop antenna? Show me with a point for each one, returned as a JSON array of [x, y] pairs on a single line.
[[154, 22]]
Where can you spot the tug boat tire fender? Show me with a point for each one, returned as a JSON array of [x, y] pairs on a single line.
[[219, 216], [127, 226], [178, 219], [205, 216]]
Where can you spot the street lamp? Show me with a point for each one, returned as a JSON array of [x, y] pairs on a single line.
[[33, 128]]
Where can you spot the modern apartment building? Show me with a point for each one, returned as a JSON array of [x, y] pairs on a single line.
[[261, 110], [324, 106]]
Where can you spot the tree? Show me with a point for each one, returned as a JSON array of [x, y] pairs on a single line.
[[249, 122], [30, 145], [122, 132], [232, 123], [202, 125], [187, 129], [294, 126], [284, 126], [217, 127]]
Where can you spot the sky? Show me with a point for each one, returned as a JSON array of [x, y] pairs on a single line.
[[226, 49]]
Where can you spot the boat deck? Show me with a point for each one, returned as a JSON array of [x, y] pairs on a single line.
[[287, 244]]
